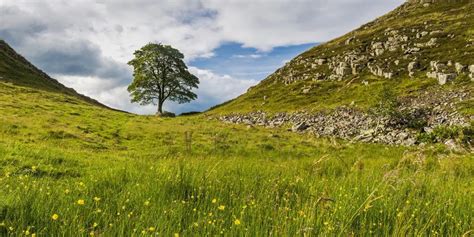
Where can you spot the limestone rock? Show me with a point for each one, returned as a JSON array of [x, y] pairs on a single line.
[[343, 69], [459, 67], [412, 67], [443, 78], [299, 127]]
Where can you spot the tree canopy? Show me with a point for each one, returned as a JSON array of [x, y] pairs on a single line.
[[160, 74]]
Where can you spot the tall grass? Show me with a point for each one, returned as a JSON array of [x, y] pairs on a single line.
[[69, 169]]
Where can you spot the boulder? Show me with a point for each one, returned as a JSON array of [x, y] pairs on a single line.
[[433, 42], [412, 67], [300, 127], [471, 74], [320, 61], [443, 78], [459, 67], [438, 67], [319, 77], [471, 69], [388, 75], [356, 68], [433, 75], [350, 40], [343, 69]]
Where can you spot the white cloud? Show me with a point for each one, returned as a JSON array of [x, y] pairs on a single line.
[[251, 56]]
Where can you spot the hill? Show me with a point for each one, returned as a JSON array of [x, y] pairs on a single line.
[[418, 59], [15, 69], [71, 168], [403, 49]]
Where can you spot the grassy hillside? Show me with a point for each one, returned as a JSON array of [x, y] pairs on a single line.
[[14, 68], [303, 84], [69, 168]]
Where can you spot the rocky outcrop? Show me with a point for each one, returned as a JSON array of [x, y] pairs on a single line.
[[442, 72], [471, 72], [353, 124], [412, 68]]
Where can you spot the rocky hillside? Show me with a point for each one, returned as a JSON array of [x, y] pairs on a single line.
[[15, 69], [417, 61]]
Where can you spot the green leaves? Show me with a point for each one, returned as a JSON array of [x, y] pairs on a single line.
[[160, 74]]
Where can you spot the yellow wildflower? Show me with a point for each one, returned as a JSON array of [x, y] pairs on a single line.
[[221, 207], [237, 222], [147, 203], [55, 217], [151, 229], [96, 199], [214, 200], [80, 202]]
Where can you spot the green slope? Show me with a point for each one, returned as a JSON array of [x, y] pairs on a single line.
[[15, 69], [136, 175], [450, 22], [101, 172]]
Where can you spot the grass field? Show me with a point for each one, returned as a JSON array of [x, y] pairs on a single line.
[[68, 168]]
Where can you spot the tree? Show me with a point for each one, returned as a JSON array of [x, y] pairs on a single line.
[[159, 74]]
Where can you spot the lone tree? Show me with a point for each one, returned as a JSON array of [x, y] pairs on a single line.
[[159, 73]]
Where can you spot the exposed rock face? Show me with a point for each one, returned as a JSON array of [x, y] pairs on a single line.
[[343, 69], [431, 1], [412, 67], [442, 72], [471, 72], [300, 127], [443, 78], [407, 44]]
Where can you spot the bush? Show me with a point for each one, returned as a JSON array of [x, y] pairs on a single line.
[[166, 114], [463, 135]]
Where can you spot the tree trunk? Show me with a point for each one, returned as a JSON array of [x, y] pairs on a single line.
[[160, 108]]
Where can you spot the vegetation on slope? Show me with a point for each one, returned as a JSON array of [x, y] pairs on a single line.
[[69, 168]]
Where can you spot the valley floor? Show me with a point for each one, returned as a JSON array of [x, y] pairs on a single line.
[[68, 168]]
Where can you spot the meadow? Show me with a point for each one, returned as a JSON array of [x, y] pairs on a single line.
[[71, 169]]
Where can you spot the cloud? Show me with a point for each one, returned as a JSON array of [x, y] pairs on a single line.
[[87, 43], [249, 56]]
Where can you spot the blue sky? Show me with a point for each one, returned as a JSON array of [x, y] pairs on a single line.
[[248, 63], [229, 44]]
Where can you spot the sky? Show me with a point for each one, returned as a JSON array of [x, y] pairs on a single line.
[[230, 45]]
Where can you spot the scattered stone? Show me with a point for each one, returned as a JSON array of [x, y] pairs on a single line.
[[353, 124], [321, 61], [350, 40], [343, 69], [459, 67], [299, 127], [443, 78], [471, 74], [412, 67], [451, 144]]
